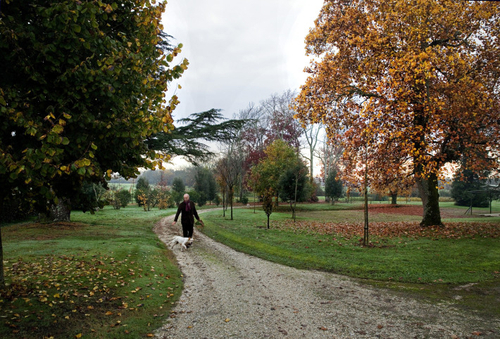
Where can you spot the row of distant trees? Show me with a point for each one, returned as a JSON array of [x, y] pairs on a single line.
[[164, 196]]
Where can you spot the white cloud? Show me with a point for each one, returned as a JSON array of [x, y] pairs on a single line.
[[239, 51]]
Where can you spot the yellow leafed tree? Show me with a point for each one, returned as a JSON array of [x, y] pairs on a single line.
[[407, 83]]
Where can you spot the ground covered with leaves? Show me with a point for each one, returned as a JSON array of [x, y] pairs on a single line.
[[395, 229], [109, 280]]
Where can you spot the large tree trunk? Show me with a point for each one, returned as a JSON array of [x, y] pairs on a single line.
[[394, 198], [61, 211], [428, 189]]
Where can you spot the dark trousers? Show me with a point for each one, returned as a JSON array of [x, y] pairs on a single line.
[[187, 231]]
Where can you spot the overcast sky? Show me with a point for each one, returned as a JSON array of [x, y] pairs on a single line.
[[239, 51]]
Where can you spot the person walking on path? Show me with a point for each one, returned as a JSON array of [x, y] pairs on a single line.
[[188, 213]]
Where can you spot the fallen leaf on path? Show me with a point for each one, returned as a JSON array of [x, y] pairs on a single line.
[[283, 331]]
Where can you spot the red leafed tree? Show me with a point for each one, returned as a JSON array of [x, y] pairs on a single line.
[[407, 83], [271, 120], [280, 121]]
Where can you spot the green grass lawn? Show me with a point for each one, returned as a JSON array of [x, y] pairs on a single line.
[[108, 276], [102, 276], [422, 260]]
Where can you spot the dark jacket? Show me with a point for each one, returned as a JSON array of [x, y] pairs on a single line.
[[187, 218]]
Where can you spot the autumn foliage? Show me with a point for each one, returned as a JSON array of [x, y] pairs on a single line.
[[406, 87]]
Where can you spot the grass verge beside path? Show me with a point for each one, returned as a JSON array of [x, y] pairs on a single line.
[[101, 276], [413, 262]]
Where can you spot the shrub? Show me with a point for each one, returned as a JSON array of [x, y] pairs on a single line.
[[123, 197], [468, 189], [90, 198], [141, 190]]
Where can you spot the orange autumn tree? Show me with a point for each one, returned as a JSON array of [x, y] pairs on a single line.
[[413, 83]]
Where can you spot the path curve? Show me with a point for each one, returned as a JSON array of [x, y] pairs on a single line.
[[228, 294]]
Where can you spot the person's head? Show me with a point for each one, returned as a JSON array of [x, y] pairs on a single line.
[[186, 197]]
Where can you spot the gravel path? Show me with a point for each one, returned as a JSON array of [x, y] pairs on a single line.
[[228, 294]]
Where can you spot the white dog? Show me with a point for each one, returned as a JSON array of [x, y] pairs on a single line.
[[182, 241]]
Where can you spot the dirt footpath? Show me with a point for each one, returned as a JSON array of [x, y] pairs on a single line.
[[229, 294]]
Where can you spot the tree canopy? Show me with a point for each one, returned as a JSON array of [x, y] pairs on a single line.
[[333, 186], [178, 190], [205, 185], [83, 86], [266, 174], [294, 183], [184, 139], [468, 189], [407, 83]]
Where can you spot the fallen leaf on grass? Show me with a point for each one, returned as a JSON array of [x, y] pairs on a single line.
[[283, 331], [397, 229]]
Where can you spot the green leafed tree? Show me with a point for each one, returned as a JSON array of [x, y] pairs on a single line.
[[178, 190], [82, 87], [468, 189], [205, 184], [333, 186], [141, 188], [294, 185], [124, 197], [185, 139], [265, 177], [266, 174]]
